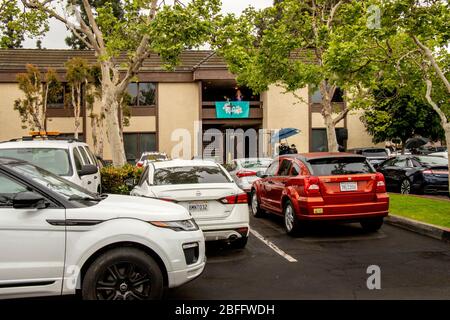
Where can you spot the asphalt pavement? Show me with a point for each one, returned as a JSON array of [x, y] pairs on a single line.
[[330, 262]]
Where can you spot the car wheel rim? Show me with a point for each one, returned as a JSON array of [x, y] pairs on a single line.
[[254, 204], [123, 281], [289, 218], [406, 187]]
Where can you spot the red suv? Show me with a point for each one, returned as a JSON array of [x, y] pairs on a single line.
[[321, 186]]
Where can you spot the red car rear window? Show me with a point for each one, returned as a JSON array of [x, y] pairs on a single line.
[[339, 166]]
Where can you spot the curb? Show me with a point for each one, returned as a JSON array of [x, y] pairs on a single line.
[[422, 228]]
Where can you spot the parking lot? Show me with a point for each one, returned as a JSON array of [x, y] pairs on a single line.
[[331, 263]]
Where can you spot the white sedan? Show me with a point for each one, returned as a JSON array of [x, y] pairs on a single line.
[[56, 237], [204, 188]]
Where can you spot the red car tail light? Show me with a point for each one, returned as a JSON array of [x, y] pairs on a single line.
[[235, 199], [430, 171], [139, 164], [312, 186], [381, 185], [245, 173]]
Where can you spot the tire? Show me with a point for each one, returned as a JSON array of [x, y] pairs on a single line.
[[123, 274], [240, 243], [405, 187], [256, 209], [291, 222], [372, 225]]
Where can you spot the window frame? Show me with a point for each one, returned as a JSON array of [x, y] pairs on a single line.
[[138, 105], [138, 143]]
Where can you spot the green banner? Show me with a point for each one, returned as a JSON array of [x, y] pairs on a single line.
[[232, 109]]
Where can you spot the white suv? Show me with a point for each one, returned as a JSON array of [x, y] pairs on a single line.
[[69, 159], [56, 237], [204, 188]]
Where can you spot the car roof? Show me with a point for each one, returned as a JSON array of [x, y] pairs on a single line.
[[321, 155], [184, 163], [59, 144]]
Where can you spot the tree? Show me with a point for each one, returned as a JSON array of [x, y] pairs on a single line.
[[395, 114], [73, 41], [295, 44], [39, 89], [12, 21], [79, 80], [412, 52], [145, 29]]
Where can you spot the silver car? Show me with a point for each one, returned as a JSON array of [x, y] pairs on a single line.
[[244, 171]]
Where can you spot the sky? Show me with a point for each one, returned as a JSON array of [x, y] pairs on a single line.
[[54, 39]]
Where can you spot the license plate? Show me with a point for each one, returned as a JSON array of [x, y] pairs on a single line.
[[198, 206], [349, 186]]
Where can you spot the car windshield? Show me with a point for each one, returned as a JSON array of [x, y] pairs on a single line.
[[189, 175], [67, 189], [256, 163], [432, 161], [54, 160], [340, 166]]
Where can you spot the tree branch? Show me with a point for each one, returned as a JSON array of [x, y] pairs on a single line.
[[433, 61], [142, 52], [96, 30], [341, 116], [333, 13], [444, 120]]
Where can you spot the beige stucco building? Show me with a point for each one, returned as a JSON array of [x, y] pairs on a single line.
[[166, 106]]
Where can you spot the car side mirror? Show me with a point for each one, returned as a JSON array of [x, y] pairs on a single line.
[[29, 200], [87, 169]]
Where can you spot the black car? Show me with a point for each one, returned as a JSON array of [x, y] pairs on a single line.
[[373, 155], [415, 174]]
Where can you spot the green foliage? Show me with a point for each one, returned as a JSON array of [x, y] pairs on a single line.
[[38, 89], [398, 114], [114, 180], [74, 42], [288, 44], [15, 24]]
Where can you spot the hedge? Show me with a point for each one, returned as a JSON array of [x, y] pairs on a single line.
[[114, 180]]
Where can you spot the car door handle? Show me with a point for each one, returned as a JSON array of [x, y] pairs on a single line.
[[270, 182]]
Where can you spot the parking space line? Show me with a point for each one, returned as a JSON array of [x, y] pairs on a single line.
[[272, 246]]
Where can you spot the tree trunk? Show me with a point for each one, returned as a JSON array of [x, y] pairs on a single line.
[[327, 114], [111, 107]]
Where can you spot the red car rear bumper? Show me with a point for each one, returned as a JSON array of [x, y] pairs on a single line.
[[316, 209]]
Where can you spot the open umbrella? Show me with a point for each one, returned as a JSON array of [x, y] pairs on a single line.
[[414, 143], [284, 134]]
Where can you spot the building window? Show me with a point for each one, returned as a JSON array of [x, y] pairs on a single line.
[[61, 99], [316, 96], [142, 94], [137, 143], [320, 140]]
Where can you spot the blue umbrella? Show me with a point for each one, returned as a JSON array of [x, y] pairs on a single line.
[[284, 134]]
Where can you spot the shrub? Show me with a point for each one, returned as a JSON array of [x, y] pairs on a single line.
[[118, 180]]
